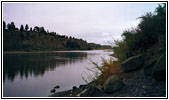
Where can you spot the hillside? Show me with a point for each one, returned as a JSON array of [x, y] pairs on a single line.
[[40, 40]]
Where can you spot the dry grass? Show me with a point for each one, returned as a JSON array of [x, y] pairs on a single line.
[[108, 68]]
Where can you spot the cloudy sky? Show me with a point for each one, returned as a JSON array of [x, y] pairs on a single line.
[[96, 22]]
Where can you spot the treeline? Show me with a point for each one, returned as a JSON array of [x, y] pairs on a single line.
[[149, 37], [38, 39]]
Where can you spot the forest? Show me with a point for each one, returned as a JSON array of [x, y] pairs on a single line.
[[38, 39]]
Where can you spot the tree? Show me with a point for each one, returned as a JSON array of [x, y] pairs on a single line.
[[21, 28], [4, 25], [36, 29], [9, 26], [31, 29], [161, 10], [160, 18], [13, 25], [26, 27], [150, 32], [42, 30]]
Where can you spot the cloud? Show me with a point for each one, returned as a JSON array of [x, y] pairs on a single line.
[[105, 34]]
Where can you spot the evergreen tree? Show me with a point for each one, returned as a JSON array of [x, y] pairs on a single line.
[[36, 29], [13, 25], [26, 27], [9, 26], [21, 28], [31, 29], [42, 30], [4, 25]]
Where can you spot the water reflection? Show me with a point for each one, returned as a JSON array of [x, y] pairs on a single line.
[[36, 64]]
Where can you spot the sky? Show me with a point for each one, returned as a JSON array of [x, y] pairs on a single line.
[[98, 22]]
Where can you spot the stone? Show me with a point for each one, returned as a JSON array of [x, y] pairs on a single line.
[[52, 91], [82, 86], [56, 87], [112, 84], [74, 88], [132, 63], [159, 70], [148, 68], [92, 92]]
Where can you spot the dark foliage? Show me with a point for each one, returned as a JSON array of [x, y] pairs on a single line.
[[4, 25], [150, 33], [40, 40], [26, 27], [21, 28]]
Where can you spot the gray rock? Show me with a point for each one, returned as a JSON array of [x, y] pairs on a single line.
[[159, 70], [92, 92], [148, 68], [74, 88], [82, 86], [113, 83], [53, 91], [56, 87], [132, 63]]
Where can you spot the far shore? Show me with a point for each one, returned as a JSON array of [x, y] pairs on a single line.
[[12, 52]]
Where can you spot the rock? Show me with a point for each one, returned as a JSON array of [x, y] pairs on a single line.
[[113, 83], [62, 94], [99, 87], [82, 86], [159, 70], [149, 67], [143, 87], [74, 88], [92, 92], [52, 91], [56, 87], [80, 94], [132, 63]]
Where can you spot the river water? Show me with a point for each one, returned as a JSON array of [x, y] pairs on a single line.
[[35, 74]]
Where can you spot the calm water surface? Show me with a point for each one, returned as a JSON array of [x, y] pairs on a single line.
[[35, 74]]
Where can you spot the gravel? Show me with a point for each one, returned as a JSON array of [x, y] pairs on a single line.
[[139, 85]]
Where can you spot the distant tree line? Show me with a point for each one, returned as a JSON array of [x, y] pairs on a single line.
[[38, 39], [11, 26]]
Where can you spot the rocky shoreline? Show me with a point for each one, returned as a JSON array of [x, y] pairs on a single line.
[[146, 81], [137, 85]]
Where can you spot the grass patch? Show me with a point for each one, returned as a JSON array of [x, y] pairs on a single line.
[[107, 68]]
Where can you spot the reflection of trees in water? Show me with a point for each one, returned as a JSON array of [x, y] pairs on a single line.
[[36, 64]]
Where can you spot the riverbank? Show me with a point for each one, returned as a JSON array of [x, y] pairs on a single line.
[[8, 52], [136, 85], [141, 78]]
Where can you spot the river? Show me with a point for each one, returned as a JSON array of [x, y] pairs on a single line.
[[34, 74]]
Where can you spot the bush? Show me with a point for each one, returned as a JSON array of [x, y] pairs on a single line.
[[150, 31], [107, 68]]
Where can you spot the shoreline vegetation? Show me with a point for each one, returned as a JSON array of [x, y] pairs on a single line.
[[140, 68]]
